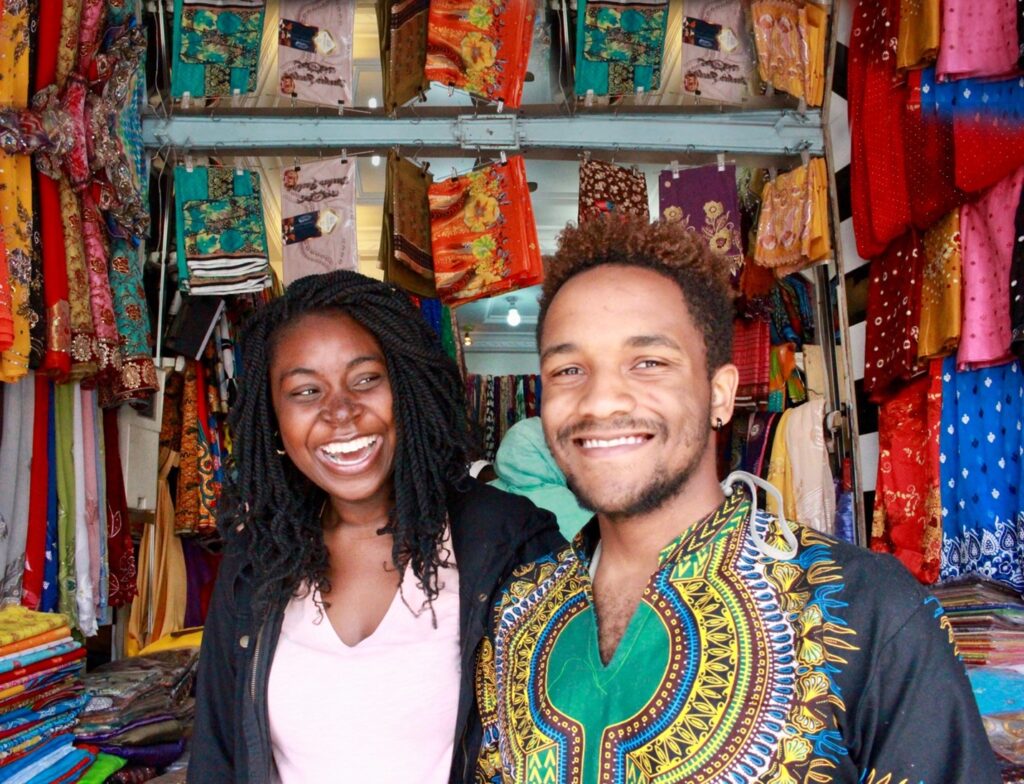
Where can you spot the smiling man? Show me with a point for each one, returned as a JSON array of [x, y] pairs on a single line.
[[684, 636]]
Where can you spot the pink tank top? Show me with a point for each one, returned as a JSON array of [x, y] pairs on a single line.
[[383, 710]]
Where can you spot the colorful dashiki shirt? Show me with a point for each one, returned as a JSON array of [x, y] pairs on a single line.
[[819, 668]]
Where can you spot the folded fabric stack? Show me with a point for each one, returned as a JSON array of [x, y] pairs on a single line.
[[41, 698], [140, 709], [988, 622]]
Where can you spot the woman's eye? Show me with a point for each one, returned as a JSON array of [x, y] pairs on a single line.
[[304, 392], [367, 381]]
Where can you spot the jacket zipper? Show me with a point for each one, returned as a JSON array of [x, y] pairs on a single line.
[[256, 707]]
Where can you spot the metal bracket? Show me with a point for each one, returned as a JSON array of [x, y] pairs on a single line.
[[497, 132]]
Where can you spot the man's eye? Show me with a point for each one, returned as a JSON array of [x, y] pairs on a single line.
[[569, 371]]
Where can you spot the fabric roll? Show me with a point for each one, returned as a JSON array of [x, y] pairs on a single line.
[[893, 316], [137, 375], [907, 518], [216, 47], [605, 187], [920, 30], [43, 640], [120, 549], [482, 49], [483, 233], [876, 105], [405, 251], [403, 52], [988, 238], [314, 54], [941, 289], [706, 202], [977, 44], [719, 61], [19, 623], [16, 445], [620, 46], [318, 218], [981, 472], [35, 539]]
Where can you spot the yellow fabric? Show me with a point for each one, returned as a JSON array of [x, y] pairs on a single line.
[[159, 609], [19, 623], [40, 639], [16, 191], [939, 332], [780, 471], [919, 33], [186, 638], [790, 37], [814, 27], [793, 227]]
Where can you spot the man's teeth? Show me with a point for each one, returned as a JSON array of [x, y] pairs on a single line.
[[600, 443], [349, 447]]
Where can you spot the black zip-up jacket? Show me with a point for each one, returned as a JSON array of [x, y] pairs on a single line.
[[492, 533]]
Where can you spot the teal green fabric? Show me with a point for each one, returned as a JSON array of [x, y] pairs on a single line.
[[216, 49], [525, 467], [620, 48]]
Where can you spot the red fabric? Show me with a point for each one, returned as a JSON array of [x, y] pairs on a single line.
[[928, 144], [988, 148], [120, 550], [907, 519], [57, 359], [35, 542], [53, 663], [48, 23], [751, 354], [876, 105], [893, 316]]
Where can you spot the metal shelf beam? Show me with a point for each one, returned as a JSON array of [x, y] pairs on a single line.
[[755, 133]]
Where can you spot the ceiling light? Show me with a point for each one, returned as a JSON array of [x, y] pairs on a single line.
[[375, 160], [513, 319], [372, 103]]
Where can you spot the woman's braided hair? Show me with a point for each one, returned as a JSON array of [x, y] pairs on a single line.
[[279, 506]]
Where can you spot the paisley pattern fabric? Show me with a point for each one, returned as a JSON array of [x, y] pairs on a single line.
[[736, 667], [217, 46]]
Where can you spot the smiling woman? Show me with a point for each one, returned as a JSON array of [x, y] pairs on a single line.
[[350, 502]]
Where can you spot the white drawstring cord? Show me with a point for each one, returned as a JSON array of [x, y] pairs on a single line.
[[753, 482]]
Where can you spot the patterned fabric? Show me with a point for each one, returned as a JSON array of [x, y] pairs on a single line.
[[120, 549], [790, 41], [987, 234], [919, 32], [718, 52], [734, 668], [941, 289], [94, 236], [793, 228], [481, 46], [318, 218], [217, 46], [988, 129], [221, 239], [57, 359], [705, 201], [137, 377], [314, 55], [751, 350], [977, 44], [907, 519], [619, 46], [6, 314], [186, 518], [605, 187], [405, 252], [403, 52], [893, 316], [83, 334], [1017, 282], [981, 454], [483, 233]]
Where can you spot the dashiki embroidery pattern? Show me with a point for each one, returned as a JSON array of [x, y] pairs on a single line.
[[758, 702]]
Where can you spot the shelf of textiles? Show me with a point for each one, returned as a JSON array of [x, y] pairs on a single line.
[[121, 722], [987, 620], [498, 402], [509, 53], [939, 214]]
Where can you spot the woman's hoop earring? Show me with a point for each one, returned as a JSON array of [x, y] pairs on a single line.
[[280, 450]]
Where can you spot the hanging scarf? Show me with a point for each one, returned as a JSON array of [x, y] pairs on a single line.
[[120, 550], [186, 517], [137, 377], [57, 359], [718, 52], [481, 46], [790, 41], [619, 46], [988, 129], [403, 51], [977, 44], [35, 541], [16, 444], [920, 30], [405, 236], [65, 428], [1017, 282], [314, 54], [85, 543], [941, 289], [51, 557], [216, 47], [108, 349], [318, 218], [605, 187], [793, 228], [706, 202], [483, 233], [83, 334]]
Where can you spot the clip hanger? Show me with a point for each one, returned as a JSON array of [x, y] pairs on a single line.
[[675, 170], [721, 161]]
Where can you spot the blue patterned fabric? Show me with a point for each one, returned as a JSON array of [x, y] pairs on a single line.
[[981, 446], [51, 592]]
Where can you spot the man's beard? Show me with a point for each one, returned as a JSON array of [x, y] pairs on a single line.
[[662, 487]]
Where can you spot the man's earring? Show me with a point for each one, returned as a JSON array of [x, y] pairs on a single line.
[[718, 424], [280, 450]]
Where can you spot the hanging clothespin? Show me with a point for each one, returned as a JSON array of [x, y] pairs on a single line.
[[802, 106], [675, 170], [341, 108], [189, 163], [186, 99], [588, 99], [344, 155], [239, 171], [639, 93], [501, 106], [295, 162], [455, 173], [586, 156], [451, 90], [773, 172], [805, 156], [504, 157], [721, 161], [236, 94]]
